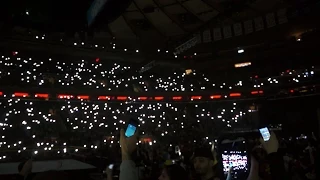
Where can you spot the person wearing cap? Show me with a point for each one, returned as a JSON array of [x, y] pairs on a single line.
[[204, 163]]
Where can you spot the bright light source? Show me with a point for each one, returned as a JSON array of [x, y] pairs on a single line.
[[240, 51], [238, 65], [188, 71]]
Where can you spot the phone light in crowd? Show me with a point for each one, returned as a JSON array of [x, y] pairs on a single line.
[[215, 97], [20, 94], [240, 51], [188, 71], [84, 97], [239, 65], [158, 98], [104, 98], [39, 95]]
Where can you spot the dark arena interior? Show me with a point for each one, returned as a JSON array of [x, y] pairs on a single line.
[[168, 90]]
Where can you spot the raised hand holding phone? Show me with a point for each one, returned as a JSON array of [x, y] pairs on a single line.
[[109, 172], [128, 144], [272, 144]]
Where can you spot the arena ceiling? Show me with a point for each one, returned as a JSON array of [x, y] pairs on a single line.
[[166, 21], [170, 20], [148, 24]]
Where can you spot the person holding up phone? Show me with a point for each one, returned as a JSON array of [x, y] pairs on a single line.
[[270, 144], [274, 158], [128, 145], [109, 172]]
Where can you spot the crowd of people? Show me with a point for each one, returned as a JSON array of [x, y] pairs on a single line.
[[48, 124], [96, 74], [273, 159], [176, 140]]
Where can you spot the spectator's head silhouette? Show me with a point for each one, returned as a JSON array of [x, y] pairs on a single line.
[[203, 162], [173, 172], [52, 175]]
